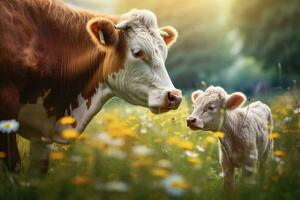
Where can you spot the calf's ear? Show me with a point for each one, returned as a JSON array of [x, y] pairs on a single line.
[[196, 94], [235, 100], [102, 32], [169, 35]]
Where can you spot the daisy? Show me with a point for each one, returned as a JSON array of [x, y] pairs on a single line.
[[175, 185], [9, 126]]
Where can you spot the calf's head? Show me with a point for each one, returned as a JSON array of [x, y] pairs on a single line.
[[210, 107], [134, 64]]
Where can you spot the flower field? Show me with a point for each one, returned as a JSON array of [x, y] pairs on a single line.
[[128, 153]]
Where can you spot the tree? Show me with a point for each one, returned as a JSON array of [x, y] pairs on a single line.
[[270, 32]]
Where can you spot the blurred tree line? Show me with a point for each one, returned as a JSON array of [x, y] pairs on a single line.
[[270, 32], [249, 46]]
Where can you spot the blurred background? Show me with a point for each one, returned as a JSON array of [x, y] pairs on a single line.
[[251, 46]]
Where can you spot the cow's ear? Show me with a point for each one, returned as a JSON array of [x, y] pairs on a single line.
[[102, 32], [196, 94], [169, 35], [235, 100]]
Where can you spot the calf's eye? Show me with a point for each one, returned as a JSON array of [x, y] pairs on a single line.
[[138, 53], [211, 107]]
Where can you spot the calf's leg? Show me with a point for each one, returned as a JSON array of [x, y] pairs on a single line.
[[9, 107], [227, 170]]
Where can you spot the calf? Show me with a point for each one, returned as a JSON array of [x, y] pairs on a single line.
[[245, 129]]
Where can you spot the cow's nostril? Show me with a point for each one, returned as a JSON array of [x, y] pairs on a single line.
[[171, 97], [191, 120]]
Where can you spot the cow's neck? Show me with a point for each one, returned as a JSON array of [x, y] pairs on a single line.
[[79, 90]]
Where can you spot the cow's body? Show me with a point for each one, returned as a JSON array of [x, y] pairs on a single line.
[[50, 67]]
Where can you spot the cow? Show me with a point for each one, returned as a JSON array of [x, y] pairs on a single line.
[[57, 60], [246, 130]]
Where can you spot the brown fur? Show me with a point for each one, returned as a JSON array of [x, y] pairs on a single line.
[[44, 46]]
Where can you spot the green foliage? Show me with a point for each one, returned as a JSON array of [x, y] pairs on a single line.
[[270, 31]]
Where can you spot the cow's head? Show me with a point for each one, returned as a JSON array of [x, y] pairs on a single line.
[[134, 65]]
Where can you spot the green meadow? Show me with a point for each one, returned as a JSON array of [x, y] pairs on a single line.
[[128, 153]]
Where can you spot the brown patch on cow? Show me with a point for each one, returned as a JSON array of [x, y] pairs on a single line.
[[45, 47]]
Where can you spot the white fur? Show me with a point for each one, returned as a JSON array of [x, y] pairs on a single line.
[[246, 131]]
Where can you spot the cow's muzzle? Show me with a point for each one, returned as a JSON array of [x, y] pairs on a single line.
[[167, 100]]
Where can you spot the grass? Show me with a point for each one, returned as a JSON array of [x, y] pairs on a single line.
[[128, 153]]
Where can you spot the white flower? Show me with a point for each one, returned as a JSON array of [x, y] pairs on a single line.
[[107, 139], [117, 186], [143, 130], [199, 148], [175, 185], [115, 153], [191, 154], [297, 110], [9, 126], [164, 163], [142, 150]]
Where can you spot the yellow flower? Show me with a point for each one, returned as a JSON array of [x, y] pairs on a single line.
[[120, 129], [279, 153], [160, 172], [70, 134], [80, 180], [173, 140], [273, 136], [210, 139], [56, 155], [194, 161], [2, 154], [67, 120], [180, 184], [142, 162], [219, 134], [187, 145]]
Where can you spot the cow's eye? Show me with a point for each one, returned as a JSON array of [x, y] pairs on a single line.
[[138, 53]]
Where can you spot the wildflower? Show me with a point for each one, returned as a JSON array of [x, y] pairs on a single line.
[[296, 111], [187, 145], [273, 136], [279, 153], [120, 129], [164, 163], [200, 148], [2, 154], [117, 186], [175, 185], [195, 160], [160, 172], [115, 153], [210, 139], [219, 134], [9, 126], [56, 155], [143, 130], [141, 150], [142, 162], [106, 139], [173, 140], [70, 134], [80, 180], [191, 154], [67, 120]]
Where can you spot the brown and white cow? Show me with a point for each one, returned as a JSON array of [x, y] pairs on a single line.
[[56, 60]]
